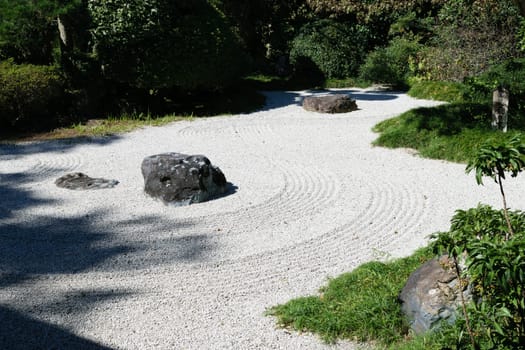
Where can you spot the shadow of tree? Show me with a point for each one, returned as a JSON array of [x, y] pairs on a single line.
[[14, 150], [450, 119], [20, 332], [45, 245]]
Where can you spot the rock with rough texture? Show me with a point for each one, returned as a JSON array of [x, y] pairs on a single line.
[[338, 103], [182, 179], [80, 181], [432, 294]]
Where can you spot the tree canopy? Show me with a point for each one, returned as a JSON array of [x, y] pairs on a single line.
[[163, 43]]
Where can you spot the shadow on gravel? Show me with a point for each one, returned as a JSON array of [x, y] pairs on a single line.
[[278, 99], [15, 150], [20, 332], [49, 245], [14, 198], [38, 246]]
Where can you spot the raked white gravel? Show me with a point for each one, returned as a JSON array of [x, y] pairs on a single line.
[[313, 199]]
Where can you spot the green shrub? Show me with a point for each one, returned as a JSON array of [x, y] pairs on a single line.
[[496, 271], [154, 44], [29, 95], [337, 49], [391, 64], [470, 36], [492, 243]]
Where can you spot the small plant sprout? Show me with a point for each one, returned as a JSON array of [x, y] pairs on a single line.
[[494, 160]]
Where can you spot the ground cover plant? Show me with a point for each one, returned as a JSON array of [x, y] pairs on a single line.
[[454, 131], [492, 243], [360, 305], [487, 247]]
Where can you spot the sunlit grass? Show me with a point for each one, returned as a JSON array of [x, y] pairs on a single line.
[[360, 305], [451, 132], [437, 90]]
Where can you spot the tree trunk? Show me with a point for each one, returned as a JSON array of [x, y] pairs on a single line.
[[500, 108], [62, 31]]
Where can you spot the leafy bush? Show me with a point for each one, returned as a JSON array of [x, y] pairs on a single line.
[[496, 271], [28, 29], [390, 65], [470, 36], [155, 44], [337, 49], [492, 243], [29, 95]]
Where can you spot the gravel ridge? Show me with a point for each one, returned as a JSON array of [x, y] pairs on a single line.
[[116, 269]]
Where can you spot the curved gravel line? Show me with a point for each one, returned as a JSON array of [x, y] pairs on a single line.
[[114, 268]]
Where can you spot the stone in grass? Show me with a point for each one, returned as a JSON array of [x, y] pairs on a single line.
[[182, 179], [432, 294], [80, 181], [336, 103]]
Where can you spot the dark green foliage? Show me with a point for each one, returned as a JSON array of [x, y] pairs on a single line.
[[492, 243], [469, 37], [25, 34], [30, 96], [29, 31], [358, 305], [267, 28], [336, 49], [160, 44], [390, 65], [495, 269]]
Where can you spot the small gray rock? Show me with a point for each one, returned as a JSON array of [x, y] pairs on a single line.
[[80, 181], [177, 178], [337, 103]]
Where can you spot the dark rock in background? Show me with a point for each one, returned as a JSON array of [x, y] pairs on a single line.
[[338, 103]]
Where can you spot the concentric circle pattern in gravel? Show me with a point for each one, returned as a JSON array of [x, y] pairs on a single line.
[[312, 199]]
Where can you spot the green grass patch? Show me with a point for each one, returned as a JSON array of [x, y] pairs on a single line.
[[451, 132], [437, 90], [360, 305]]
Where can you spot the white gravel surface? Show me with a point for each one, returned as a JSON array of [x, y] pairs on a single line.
[[314, 199]]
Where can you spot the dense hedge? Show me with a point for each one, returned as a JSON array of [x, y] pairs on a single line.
[[390, 65], [337, 49], [156, 44], [30, 95]]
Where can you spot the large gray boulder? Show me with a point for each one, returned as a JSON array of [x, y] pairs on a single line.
[[182, 179], [336, 103], [432, 294]]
